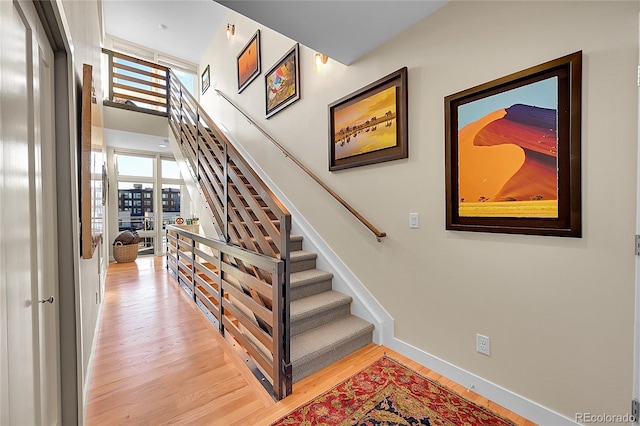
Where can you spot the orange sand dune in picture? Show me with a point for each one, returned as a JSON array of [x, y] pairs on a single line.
[[507, 166]]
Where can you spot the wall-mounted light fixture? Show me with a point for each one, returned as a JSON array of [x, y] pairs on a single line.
[[319, 60], [231, 30]]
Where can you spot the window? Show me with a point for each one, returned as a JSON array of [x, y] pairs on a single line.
[[134, 165], [170, 169]]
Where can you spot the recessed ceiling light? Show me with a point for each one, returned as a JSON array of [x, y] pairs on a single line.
[[162, 145]]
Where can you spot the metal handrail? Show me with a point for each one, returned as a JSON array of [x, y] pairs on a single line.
[[379, 234]]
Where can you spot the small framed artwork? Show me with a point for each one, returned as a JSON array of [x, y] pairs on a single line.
[[206, 79], [370, 125], [282, 82], [513, 152], [248, 62]]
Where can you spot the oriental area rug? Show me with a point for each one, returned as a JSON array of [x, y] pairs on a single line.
[[388, 393]]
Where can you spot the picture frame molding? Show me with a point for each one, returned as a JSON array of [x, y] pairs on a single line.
[[398, 78], [256, 72], [295, 51], [205, 79], [568, 69]]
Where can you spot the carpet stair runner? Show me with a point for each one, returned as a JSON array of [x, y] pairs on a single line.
[[323, 330]]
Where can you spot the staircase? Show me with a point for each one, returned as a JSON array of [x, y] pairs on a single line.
[[320, 325], [323, 330]]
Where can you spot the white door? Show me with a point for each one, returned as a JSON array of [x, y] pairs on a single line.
[[636, 356], [28, 329]]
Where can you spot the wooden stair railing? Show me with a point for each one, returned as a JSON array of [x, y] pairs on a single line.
[[217, 275], [136, 84], [246, 214], [379, 234]]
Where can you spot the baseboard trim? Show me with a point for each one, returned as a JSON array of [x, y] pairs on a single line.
[[86, 384], [496, 393]]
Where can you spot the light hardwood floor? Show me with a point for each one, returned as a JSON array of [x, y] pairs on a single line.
[[158, 360]]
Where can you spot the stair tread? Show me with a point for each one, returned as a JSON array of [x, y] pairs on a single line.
[[317, 303], [309, 276], [305, 346], [302, 255]]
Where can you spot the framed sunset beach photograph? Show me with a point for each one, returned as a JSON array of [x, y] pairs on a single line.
[[512, 152], [370, 125]]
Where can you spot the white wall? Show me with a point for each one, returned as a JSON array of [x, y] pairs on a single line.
[[559, 311], [84, 23]]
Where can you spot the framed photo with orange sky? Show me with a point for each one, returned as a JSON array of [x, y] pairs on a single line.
[[248, 62], [370, 125], [513, 152]]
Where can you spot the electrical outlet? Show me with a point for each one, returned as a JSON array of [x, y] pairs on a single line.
[[483, 344]]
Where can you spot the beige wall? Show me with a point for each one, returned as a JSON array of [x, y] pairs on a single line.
[[83, 18], [559, 311]]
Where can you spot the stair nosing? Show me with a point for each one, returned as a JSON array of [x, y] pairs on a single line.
[[296, 357], [336, 300]]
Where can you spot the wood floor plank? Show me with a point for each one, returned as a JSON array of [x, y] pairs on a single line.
[[159, 361]]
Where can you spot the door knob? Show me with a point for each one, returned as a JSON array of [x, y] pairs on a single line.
[[49, 300]]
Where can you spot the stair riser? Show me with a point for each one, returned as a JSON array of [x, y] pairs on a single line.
[[310, 289], [300, 371], [295, 245], [319, 318], [303, 265]]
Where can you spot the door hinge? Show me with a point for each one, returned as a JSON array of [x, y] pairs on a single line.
[[637, 245], [635, 410]]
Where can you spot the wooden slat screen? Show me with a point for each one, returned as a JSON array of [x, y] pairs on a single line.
[[137, 84], [221, 280]]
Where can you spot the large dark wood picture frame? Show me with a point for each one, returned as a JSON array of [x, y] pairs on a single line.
[[282, 82], [90, 158], [513, 152], [370, 125], [248, 62]]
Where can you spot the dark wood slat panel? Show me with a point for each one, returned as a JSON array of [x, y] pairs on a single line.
[[162, 77], [139, 61], [141, 91], [117, 76], [260, 311], [137, 99], [248, 346], [249, 324], [249, 280]]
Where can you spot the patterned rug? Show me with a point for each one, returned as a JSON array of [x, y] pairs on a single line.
[[388, 393]]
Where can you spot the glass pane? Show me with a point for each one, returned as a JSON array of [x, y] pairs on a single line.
[[170, 169], [171, 196], [131, 165], [186, 78], [135, 206]]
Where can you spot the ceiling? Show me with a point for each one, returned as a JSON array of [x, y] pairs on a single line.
[[342, 30]]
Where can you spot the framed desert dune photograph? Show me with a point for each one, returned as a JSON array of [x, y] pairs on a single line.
[[513, 152]]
